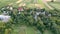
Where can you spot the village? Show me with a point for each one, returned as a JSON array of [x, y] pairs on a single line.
[[30, 17]]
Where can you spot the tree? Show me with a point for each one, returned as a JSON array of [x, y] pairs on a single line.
[[52, 0]]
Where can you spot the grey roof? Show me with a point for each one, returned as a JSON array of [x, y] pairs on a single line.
[[4, 18]]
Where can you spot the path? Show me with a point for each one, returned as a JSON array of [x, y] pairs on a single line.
[[10, 4], [37, 5], [24, 4], [44, 1], [19, 1], [15, 2]]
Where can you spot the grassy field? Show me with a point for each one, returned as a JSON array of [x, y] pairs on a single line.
[[55, 4], [6, 2], [13, 2], [25, 30]]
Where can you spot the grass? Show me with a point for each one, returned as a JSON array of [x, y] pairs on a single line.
[[6, 2], [47, 32], [24, 30], [55, 4], [43, 5]]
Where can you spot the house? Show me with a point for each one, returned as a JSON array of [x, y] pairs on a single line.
[[4, 18], [20, 9]]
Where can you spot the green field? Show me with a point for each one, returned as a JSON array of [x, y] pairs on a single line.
[[25, 30], [6, 2], [55, 4]]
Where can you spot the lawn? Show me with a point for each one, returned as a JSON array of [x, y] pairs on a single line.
[[6, 2], [25, 30], [55, 4]]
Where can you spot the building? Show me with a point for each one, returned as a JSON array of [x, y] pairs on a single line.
[[4, 18]]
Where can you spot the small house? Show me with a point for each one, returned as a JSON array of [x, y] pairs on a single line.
[[4, 18]]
